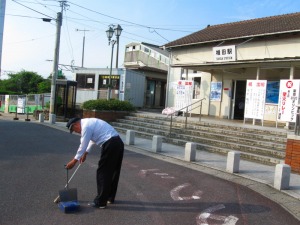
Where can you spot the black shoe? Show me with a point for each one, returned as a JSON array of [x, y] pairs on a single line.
[[92, 204]]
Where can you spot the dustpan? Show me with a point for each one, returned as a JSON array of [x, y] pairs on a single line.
[[68, 194]]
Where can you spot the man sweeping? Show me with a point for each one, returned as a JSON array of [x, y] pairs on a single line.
[[96, 131]]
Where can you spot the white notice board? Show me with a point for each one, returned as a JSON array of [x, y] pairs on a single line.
[[255, 99], [184, 94]]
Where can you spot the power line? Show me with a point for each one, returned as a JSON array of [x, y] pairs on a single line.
[[126, 21], [68, 34], [33, 10], [32, 17]]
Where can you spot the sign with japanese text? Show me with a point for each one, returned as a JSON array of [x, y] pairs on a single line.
[[288, 100], [255, 99], [184, 94], [21, 105], [224, 53]]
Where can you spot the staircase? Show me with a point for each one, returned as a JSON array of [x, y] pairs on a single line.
[[260, 144]]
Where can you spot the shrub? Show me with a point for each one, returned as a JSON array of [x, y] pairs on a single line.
[[103, 104]]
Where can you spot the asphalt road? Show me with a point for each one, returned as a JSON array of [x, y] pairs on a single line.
[[151, 191]]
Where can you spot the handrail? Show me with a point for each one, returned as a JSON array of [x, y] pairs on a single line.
[[187, 107]]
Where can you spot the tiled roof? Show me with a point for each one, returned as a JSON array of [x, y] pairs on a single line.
[[286, 23]]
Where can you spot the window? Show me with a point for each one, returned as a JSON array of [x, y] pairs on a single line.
[[86, 81], [146, 49], [104, 81]]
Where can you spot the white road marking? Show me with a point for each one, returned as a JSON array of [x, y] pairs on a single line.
[[176, 197], [202, 217], [161, 174], [143, 173], [168, 177]]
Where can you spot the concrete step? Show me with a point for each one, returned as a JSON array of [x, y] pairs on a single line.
[[247, 156], [264, 145], [182, 139], [215, 134], [237, 127]]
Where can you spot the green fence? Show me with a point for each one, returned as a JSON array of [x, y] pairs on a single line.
[[32, 102], [30, 109]]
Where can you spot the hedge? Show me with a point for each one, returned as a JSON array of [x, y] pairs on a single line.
[[103, 104]]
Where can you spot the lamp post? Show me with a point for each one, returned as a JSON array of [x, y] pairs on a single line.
[[110, 32], [118, 31]]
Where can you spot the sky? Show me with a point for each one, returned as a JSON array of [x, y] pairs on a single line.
[[29, 43]]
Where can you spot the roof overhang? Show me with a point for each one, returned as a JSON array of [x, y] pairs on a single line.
[[274, 62], [233, 38]]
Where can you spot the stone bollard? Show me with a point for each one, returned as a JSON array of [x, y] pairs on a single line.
[[282, 176], [190, 152], [233, 162], [130, 137], [41, 117], [52, 118], [156, 143]]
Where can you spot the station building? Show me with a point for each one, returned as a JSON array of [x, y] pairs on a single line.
[[223, 57]]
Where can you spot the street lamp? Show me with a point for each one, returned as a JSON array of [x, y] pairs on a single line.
[[118, 31], [110, 32]]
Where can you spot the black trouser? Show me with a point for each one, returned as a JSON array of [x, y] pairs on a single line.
[[109, 168]]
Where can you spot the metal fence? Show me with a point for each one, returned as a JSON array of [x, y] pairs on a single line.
[[24, 103]]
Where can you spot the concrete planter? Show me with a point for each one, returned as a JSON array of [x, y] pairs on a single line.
[[108, 116]]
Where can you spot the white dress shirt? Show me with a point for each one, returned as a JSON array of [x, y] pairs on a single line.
[[93, 131]]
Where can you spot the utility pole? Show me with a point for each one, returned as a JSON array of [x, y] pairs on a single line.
[[83, 43], [52, 116]]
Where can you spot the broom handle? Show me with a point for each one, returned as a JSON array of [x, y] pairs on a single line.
[[68, 181]]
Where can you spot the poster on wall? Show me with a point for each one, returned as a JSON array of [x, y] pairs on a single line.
[[184, 94], [272, 92], [288, 100], [255, 99], [215, 91]]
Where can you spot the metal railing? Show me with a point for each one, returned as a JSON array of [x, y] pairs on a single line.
[[186, 113]]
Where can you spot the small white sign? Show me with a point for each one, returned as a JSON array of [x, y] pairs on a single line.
[[224, 53], [21, 105]]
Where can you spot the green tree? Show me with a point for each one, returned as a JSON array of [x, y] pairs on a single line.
[[44, 86], [24, 82]]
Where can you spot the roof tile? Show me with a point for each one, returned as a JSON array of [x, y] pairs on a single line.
[[247, 28]]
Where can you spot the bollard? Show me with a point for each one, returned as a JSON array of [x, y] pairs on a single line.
[[130, 137], [27, 118], [282, 176], [190, 152], [233, 162], [52, 118], [41, 117], [156, 143], [16, 115]]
